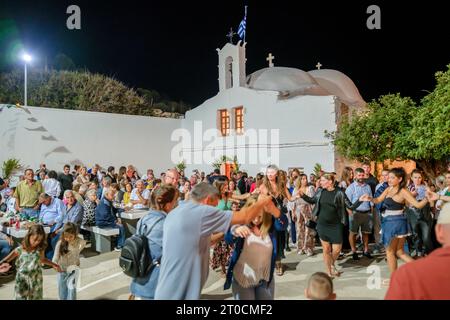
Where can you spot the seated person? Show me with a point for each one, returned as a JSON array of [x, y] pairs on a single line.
[[11, 202], [73, 213], [6, 244], [106, 217], [52, 209], [140, 196], [3, 205]]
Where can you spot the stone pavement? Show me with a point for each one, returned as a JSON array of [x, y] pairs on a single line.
[[102, 278]]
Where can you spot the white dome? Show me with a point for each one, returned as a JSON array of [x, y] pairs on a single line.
[[338, 84], [288, 81]]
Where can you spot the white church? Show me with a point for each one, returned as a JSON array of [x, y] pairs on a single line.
[[275, 115]]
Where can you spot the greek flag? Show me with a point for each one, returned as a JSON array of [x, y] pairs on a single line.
[[243, 26]]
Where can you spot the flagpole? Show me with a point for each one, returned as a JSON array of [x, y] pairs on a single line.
[[245, 34]]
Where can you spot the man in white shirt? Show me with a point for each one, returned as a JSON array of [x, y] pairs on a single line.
[[52, 209], [52, 187], [140, 196]]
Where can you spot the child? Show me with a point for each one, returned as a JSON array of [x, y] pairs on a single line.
[[30, 256], [320, 287], [67, 254]]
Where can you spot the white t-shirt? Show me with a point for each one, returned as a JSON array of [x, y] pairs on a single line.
[[254, 262], [145, 194]]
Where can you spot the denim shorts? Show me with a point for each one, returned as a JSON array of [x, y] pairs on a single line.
[[394, 227]]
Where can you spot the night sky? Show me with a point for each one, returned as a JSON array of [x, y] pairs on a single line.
[[171, 47]]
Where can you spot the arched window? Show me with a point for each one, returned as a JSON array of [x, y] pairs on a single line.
[[229, 73]]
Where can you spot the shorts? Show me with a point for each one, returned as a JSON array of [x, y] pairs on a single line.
[[394, 227], [361, 220]]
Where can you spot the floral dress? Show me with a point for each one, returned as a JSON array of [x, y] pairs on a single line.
[[88, 213], [29, 284], [303, 212], [222, 252]]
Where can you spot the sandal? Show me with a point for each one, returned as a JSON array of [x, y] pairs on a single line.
[[279, 268], [335, 272]]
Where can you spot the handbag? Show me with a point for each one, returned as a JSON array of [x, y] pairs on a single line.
[[311, 224]]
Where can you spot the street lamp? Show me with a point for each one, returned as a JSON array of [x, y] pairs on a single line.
[[26, 58]]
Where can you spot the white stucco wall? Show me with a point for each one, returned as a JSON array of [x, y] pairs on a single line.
[[301, 122], [57, 136]]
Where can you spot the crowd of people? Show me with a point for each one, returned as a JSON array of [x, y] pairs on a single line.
[[240, 225]]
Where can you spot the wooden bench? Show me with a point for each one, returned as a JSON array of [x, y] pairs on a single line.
[[101, 238]]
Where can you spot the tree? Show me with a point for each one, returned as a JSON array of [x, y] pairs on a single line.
[[371, 135], [395, 128], [76, 90], [427, 140], [317, 169], [9, 167]]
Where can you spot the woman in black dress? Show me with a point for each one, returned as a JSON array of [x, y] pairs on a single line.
[[330, 210]]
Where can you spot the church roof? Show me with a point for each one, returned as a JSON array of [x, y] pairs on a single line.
[[291, 82], [288, 81], [340, 85]]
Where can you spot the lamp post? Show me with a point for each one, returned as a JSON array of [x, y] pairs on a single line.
[[26, 58]]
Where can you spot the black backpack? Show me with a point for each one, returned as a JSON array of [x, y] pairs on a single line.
[[135, 258]]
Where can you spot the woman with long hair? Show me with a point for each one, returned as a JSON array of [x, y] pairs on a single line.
[[274, 185], [302, 214], [251, 269], [346, 178], [330, 204], [83, 177], [254, 188], [395, 227], [162, 201], [293, 176]]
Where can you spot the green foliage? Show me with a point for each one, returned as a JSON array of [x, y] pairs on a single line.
[[82, 90], [9, 166], [394, 127], [317, 169], [237, 165], [223, 159], [372, 135], [181, 166], [428, 137]]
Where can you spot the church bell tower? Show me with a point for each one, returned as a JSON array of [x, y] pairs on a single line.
[[232, 66]]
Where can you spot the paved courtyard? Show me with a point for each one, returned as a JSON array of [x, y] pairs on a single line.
[[101, 277]]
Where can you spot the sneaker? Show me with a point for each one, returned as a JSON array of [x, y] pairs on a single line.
[[309, 253], [117, 249], [355, 256], [301, 252], [376, 249], [367, 255]]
